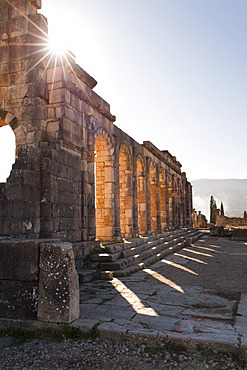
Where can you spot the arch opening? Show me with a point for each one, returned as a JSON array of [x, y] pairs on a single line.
[[141, 198], [7, 150], [126, 199], [153, 198], [104, 194], [162, 194]]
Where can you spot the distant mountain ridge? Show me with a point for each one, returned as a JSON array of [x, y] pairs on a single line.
[[232, 192]]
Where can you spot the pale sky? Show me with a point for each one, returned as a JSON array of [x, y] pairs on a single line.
[[173, 71]]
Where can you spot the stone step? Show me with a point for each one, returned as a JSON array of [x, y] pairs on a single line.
[[172, 248], [86, 276], [123, 263], [133, 242], [132, 248]]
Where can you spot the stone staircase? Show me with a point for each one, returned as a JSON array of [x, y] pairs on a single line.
[[123, 258]]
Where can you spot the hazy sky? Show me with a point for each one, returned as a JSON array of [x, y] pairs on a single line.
[[173, 71]]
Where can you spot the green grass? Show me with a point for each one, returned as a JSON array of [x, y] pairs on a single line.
[[58, 334]]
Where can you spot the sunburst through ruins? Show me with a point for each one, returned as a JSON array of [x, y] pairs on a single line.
[[94, 181], [45, 48]]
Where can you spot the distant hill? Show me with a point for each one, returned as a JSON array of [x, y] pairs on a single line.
[[232, 192]]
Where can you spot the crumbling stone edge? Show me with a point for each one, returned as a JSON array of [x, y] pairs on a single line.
[[151, 338]]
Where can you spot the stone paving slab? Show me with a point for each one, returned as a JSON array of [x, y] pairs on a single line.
[[190, 296]]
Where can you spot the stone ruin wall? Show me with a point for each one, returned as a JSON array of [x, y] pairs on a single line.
[[198, 220], [230, 221], [77, 176], [64, 132]]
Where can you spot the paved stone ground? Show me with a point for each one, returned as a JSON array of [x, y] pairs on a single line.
[[198, 294], [195, 299]]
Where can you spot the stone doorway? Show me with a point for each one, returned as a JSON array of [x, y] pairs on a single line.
[[126, 199], [104, 190], [141, 198], [162, 195], [7, 150], [153, 198]]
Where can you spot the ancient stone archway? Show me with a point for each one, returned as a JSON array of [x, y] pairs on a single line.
[[125, 188], [179, 204], [170, 201], [175, 203], [59, 121], [153, 197], [162, 202], [7, 150], [75, 176], [141, 197], [104, 189]]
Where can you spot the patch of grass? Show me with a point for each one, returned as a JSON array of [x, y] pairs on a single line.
[[239, 354], [235, 313], [208, 353], [94, 331], [173, 347], [205, 351], [56, 333], [71, 332], [20, 335], [144, 324]]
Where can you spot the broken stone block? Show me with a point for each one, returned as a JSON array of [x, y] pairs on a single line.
[[19, 260], [58, 284], [18, 299], [188, 242]]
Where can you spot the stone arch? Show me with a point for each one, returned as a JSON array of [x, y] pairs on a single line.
[[104, 189], [102, 132], [125, 191], [175, 204], [153, 196], [141, 196], [170, 200], [162, 200], [7, 118], [7, 143], [179, 202]]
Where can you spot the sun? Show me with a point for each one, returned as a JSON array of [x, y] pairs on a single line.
[[57, 46], [60, 35]]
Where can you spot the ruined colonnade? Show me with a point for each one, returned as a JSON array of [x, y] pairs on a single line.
[[77, 176]]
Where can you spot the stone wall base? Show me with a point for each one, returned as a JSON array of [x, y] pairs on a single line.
[[38, 280]]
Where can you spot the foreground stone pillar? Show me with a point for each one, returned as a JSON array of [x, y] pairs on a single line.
[[58, 284]]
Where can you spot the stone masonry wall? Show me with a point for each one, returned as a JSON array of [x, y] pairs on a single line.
[[230, 221], [77, 176], [38, 280]]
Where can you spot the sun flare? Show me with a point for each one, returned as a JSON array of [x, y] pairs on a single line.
[[57, 47]]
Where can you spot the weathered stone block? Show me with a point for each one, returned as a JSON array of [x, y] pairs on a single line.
[[3, 11], [19, 260], [57, 96], [58, 284], [239, 234], [18, 299]]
